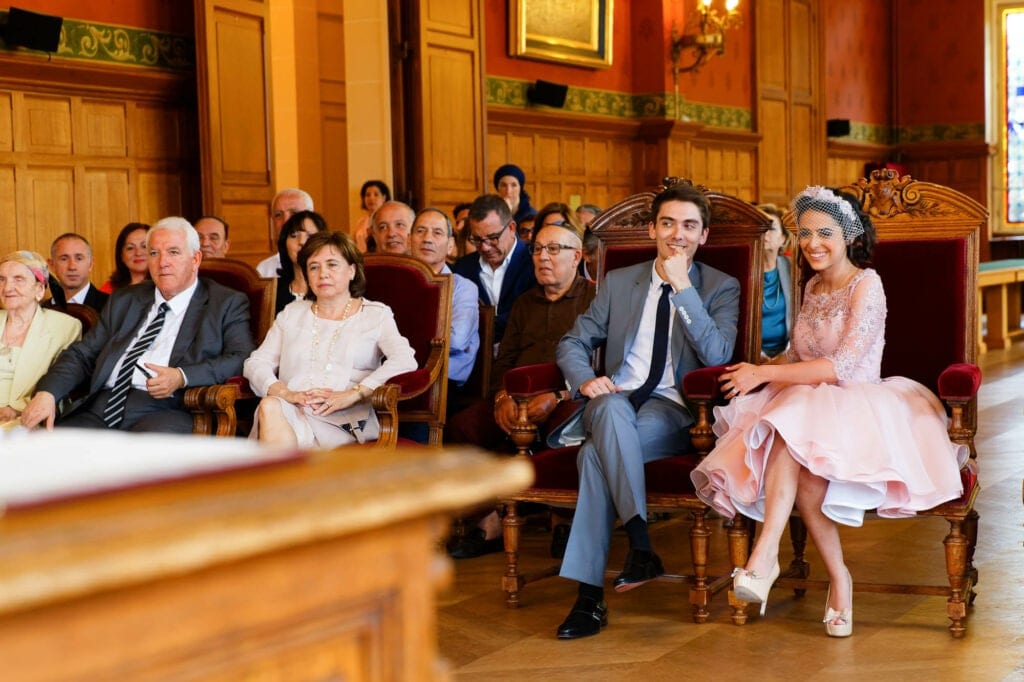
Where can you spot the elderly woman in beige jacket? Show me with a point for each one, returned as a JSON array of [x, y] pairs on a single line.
[[31, 337]]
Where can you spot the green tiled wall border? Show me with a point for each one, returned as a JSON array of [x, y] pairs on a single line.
[[510, 92], [939, 133], [113, 44]]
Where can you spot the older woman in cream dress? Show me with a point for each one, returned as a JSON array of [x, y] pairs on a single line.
[[31, 337], [326, 354]]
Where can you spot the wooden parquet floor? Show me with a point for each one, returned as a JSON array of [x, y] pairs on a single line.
[[651, 635]]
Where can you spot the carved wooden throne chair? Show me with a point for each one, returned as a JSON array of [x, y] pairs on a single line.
[[733, 246], [927, 257]]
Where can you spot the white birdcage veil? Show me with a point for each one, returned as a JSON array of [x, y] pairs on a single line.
[[825, 200]]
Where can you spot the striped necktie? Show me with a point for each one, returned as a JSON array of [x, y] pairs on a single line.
[[113, 413]]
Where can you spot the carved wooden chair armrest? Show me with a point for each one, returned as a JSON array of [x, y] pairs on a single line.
[[522, 384], [385, 403], [702, 391], [213, 409]]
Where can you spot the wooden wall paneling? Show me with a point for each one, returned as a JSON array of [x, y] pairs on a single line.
[[46, 204], [159, 194], [105, 205], [43, 124], [156, 131], [845, 160], [9, 217], [566, 157], [6, 123], [448, 102], [235, 137], [803, 148], [101, 127]]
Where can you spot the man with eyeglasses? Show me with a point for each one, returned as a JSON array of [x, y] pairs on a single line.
[[501, 268], [657, 321], [539, 318]]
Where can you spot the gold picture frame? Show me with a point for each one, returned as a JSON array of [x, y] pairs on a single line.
[[574, 32]]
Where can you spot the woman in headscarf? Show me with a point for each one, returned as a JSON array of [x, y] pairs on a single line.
[[510, 183]]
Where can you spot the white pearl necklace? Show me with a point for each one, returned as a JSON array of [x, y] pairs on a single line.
[[334, 337]]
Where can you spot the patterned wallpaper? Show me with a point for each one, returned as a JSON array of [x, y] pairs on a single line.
[[126, 46], [858, 61]]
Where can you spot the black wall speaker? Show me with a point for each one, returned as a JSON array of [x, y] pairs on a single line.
[[837, 127], [550, 94], [33, 30]]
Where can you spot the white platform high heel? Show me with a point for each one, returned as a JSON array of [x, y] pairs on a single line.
[[748, 586], [844, 626]]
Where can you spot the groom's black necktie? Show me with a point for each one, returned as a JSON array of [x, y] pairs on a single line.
[[658, 352]]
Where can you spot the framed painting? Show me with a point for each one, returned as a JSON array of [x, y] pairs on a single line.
[[574, 32]]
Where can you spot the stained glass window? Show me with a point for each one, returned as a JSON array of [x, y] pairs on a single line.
[[1013, 39]]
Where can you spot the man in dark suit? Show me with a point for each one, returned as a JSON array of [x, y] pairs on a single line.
[[70, 268], [502, 268], [153, 339], [657, 321]]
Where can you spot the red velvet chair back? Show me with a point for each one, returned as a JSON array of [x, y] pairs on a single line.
[[422, 304], [240, 276]]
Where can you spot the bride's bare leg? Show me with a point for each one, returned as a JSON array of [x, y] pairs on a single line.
[[825, 535], [781, 476], [274, 429]]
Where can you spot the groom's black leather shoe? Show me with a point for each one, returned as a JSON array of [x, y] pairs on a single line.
[[587, 618], [641, 567]]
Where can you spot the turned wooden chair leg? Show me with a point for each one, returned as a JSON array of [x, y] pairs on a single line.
[[739, 537], [512, 582], [971, 531], [700, 595], [956, 567], [798, 567]]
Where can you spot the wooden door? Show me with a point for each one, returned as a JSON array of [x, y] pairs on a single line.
[[234, 115], [790, 98], [439, 145]]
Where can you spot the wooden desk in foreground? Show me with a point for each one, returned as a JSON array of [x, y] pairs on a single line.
[[321, 569], [999, 283]]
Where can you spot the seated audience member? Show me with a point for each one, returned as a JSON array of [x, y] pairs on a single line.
[[777, 304], [391, 225], [30, 336], [372, 195], [213, 236], [431, 235], [152, 341], [131, 264], [524, 228], [70, 268], [501, 268], [539, 318], [510, 183], [586, 213], [657, 320], [291, 284], [325, 355], [462, 245], [286, 203]]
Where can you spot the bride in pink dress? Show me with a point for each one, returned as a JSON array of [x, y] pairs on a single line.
[[827, 434]]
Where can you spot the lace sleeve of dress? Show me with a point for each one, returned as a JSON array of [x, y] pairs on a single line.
[[864, 324]]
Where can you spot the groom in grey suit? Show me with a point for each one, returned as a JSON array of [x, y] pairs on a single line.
[[202, 338], [635, 413]]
